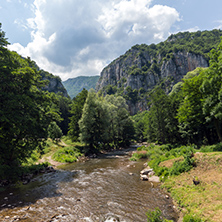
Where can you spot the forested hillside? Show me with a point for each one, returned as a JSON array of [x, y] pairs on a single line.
[[76, 85], [140, 69]]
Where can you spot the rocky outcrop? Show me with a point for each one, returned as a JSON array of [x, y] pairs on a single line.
[[148, 174], [54, 84], [138, 72]]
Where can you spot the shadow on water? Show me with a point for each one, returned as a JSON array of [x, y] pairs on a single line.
[[40, 187]]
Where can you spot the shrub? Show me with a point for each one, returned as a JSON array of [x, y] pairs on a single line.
[[155, 216], [212, 148], [67, 155], [182, 166], [191, 218], [139, 155]]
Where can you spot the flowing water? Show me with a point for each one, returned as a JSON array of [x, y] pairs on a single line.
[[96, 190]]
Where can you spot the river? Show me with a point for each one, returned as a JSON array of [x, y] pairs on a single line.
[[102, 189]]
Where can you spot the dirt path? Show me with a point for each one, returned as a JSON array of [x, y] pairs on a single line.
[[50, 160]]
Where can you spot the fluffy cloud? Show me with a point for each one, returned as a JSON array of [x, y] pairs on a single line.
[[79, 37]]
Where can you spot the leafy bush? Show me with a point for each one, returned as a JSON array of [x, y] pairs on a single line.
[[155, 216], [139, 155], [212, 148], [182, 166], [191, 218], [67, 154], [158, 154]]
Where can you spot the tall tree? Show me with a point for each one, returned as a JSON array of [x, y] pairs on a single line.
[[190, 114], [24, 113], [76, 114], [120, 123], [156, 129], [212, 91], [94, 122]]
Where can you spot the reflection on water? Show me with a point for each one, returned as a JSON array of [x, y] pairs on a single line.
[[90, 191]]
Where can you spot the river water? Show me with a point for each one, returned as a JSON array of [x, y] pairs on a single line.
[[96, 190]]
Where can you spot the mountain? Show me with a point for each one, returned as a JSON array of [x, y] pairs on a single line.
[[54, 83], [135, 74], [75, 85]]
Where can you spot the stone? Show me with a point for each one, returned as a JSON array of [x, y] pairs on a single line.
[[112, 219], [144, 177], [155, 179], [146, 171]]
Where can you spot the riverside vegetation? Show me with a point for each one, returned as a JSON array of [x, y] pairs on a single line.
[[185, 124]]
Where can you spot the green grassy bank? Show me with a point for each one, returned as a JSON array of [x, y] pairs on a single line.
[[179, 167]]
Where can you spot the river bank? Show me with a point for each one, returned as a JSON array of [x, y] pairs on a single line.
[[194, 184], [105, 187]]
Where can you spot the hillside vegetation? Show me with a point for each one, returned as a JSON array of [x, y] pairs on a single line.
[[136, 73], [75, 85]]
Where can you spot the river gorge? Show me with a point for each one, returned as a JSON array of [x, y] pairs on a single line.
[[107, 188]]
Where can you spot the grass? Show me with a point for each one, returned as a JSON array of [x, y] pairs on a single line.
[[197, 203], [63, 151]]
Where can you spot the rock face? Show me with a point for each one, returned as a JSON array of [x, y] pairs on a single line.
[[140, 72], [55, 84]]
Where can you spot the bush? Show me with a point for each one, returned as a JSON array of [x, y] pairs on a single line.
[[191, 218], [155, 216], [139, 155], [182, 166], [212, 148], [67, 154]]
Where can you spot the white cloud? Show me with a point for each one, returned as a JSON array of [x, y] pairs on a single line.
[[78, 37], [219, 26]]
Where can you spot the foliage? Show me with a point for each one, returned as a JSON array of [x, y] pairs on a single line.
[[54, 132], [155, 216], [158, 154], [67, 154], [160, 122], [142, 60], [105, 122], [191, 218], [139, 125], [121, 128], [74, 86], [212, 91], [76, 114], [211, 148], [26, 110]]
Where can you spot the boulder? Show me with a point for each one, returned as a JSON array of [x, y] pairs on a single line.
[[146, 171], [155, 179], [144, 177]]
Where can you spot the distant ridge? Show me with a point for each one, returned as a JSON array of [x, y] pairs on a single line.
[[75, 85]]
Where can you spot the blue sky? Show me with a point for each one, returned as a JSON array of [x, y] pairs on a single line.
[[71, 38]]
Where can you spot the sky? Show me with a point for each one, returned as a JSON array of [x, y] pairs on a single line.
[[71, 38]]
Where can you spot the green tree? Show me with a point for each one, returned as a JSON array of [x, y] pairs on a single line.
[[64, 107], [139, 125], [24, 113], [190, 114], [54, 132], [76, 114], [3, 40], [212, 91], [121, 128], [94, 122], [156, 127]]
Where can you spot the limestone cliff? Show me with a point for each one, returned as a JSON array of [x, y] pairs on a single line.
[[141, 68], [54, 83]]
